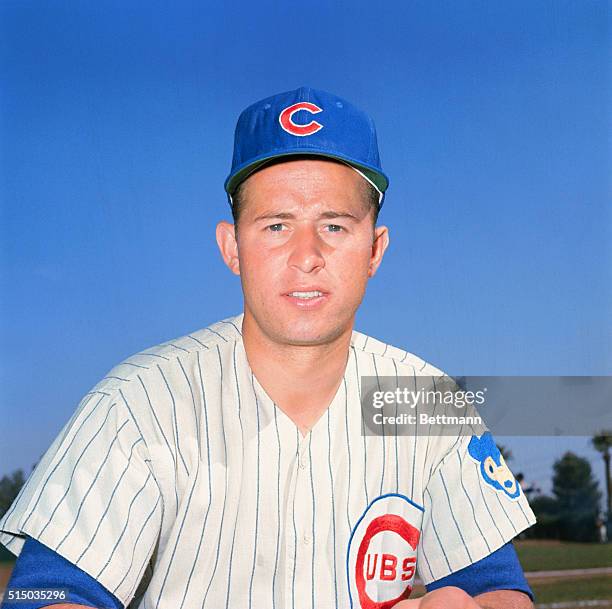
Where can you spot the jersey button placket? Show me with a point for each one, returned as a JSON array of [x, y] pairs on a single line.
[[303, 529]]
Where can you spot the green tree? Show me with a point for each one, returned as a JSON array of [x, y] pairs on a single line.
[[546, 510], [578, 497], [9, 489]]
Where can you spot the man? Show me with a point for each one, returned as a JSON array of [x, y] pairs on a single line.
[[229, 468]]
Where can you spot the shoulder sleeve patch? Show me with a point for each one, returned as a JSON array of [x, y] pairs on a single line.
[[493, 469]]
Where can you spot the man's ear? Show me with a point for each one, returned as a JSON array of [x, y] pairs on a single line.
[[228, 246], [379, 246]]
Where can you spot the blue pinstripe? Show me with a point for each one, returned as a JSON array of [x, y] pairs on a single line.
[[383, 438], [144, 353], [112, 552], [76, 518], [217, 333], [110, 500], [278, 508], [161, 430], [127, 363], [423, 555], [198, 341], [433, 524], [348, 448], [523, 512], [66, 451], [396, 448], [414, 450], [450, 508], [193, 485], [231, 557], [460, 438], [429, 430], [144, 526], [314, 536], [297, 455], [257, 494], [485, 501], [365, 452], [179, 347], [231, 323], [205, 409], [505, 513], [226, 480], [470, 501], [193, 401], [74, 468], [178, 536], [142, 570], [331, 484], [127, 407], [174, 420]]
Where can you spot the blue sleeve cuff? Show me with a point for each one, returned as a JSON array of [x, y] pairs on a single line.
[[41, 568], [500, 570]]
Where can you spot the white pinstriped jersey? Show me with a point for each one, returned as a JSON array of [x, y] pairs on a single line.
[[179, 484]]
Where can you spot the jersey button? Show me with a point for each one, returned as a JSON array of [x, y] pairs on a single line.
[[306, 540], [302, 465]]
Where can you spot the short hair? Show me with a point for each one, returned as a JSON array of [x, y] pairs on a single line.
[[370, 194]]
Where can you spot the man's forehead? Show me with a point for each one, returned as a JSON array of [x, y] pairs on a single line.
[[309, 170], [316, 212], [304, 188], [352, 209]]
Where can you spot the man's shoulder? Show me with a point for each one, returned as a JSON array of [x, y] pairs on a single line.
[[404, 360], [170, 354]]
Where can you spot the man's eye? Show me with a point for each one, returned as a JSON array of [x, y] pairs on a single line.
[[276, 228], [335, 228]]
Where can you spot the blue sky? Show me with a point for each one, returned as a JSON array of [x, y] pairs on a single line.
[[116, 132]]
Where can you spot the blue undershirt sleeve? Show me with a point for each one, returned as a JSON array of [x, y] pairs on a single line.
[[500, 570], [38, 567]]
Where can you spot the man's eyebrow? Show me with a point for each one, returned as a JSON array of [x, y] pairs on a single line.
[[288, 216], [273, 215], [338, 214]]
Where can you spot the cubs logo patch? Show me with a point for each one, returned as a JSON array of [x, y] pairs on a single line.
[[286, 119], [382, 553], [493, 468]]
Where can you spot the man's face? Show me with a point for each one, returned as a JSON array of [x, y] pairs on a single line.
[[305, 249]]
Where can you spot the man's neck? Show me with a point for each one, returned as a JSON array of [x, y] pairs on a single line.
[[302, 380]]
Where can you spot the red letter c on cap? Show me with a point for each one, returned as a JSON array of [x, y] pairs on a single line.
[[286, 119]]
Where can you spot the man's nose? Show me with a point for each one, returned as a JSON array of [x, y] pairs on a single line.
[[306, 250]]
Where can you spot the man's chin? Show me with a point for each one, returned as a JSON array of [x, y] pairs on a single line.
[[302, 333], [301, 329], [306, 340], [308, 334]]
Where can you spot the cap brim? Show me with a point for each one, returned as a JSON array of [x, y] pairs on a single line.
[[379, 179]]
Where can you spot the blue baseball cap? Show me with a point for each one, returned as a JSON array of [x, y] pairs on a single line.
[[305, 121]]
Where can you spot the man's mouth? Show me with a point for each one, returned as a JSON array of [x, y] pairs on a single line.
[[307, 299], [306, 295]]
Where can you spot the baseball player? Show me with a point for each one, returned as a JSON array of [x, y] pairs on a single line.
[[230, 468]]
